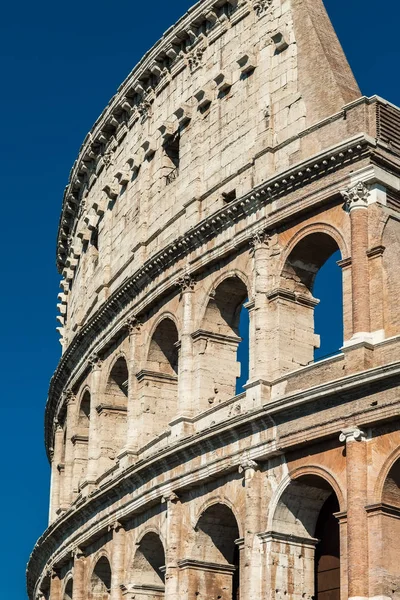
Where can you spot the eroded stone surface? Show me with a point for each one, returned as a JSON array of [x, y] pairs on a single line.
[[217, 178]]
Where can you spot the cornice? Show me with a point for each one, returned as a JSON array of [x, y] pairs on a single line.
[[281, 185], [183, 450]]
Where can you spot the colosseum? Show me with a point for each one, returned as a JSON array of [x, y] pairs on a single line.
[[236, 159]]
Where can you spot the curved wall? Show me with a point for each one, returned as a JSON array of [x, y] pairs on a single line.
[[215, 182]]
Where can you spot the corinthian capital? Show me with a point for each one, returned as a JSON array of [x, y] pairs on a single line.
[[95, 362], [356, 197], [186, 283]]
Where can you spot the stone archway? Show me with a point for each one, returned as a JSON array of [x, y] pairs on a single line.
[[216, 380], [148, 569], [158, 381], [113, 414], [214, 570], [294, 304], [100, 581], [68, 591], [304, 543]]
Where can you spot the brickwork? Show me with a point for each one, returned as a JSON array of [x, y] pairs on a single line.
[[236, 159]]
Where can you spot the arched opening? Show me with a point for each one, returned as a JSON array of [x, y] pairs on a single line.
[[113, 414], [81, 442], [310, 328], [68, 592], [306, 530], [215, 566], [163, 351], [328, 315], [225, 319], [148, 568], [385, 529], [158, 381], [100, 582]]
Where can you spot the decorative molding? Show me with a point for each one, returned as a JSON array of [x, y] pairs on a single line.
[[186, 283], [248, 465], [356, 197], [95, 362], [201, 565], [270, 190]]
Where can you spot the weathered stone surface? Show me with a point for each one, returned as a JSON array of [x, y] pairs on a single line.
[[236, 158]]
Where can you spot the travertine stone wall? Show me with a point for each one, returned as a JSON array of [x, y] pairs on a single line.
[[234, 161]]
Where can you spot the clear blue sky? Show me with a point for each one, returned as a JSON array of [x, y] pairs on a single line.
[[60, 64]]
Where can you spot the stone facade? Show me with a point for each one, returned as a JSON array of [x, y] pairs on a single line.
[[233, 162]]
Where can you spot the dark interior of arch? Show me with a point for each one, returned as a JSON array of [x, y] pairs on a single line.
[[149, 560], [118, 380], [68, 590], [219, 524], [223, 311], [84, 411], [391, 488], [101, 579], [327, 552], [307, 258], [163, 352]]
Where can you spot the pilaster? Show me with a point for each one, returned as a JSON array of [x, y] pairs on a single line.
[[94, 441], [117, 560], [173, 545], [55, 473], [357, 526], [70, 399], [79, 589], [250, 579]]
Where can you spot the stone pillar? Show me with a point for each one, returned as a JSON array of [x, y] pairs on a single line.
[[357, 526], [79, 589], [94, 441], [185, 391], [117, 561], [260, 347], [250, 566], [357, 205], [55, 585], [132, 443], [173, 538], [69, 449], [55, 473]]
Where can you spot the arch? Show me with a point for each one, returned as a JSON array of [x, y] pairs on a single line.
[[68, 589], [100, 581], [113, 422], [84, 409], [304, 515], [158, 381], [311, 256], [218, 335], [321, 227], [162, 354], [215, 541], [216, 282], [389, 463], [148, 566], [219, 500]]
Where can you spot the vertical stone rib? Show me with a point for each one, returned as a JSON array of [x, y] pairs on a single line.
[[357, 527]]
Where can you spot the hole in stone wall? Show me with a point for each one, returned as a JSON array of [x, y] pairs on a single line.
[[100, 582], [68, 593], [243, 349]]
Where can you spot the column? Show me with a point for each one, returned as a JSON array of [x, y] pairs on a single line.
[[79, 589], [357, 205], [185, 391], [55, 585], [357, 527], [173, 538], [134, 326], [55, 473], [94, 441], [117, 561], [260, 350], [69, 449], [250, 579]]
